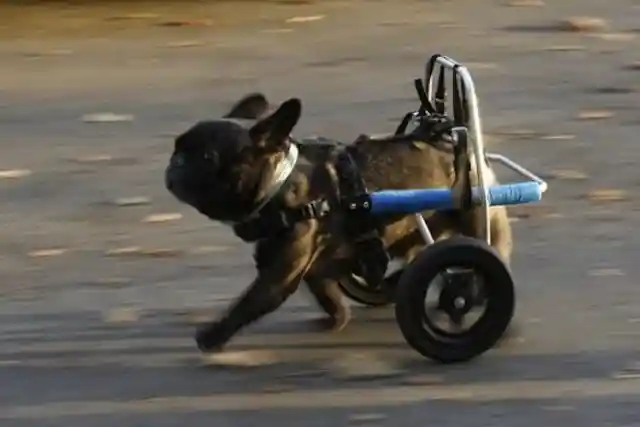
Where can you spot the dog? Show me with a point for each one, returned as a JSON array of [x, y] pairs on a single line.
[[245, 165]]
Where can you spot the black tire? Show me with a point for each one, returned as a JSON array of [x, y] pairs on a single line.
[[412, 289], [362, 294]]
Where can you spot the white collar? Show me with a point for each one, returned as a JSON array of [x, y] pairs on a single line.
[[280, 175]]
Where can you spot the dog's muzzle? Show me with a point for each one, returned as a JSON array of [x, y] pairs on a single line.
[[175, 175]]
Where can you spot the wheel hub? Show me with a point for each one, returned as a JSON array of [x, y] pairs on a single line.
[[456, 298]]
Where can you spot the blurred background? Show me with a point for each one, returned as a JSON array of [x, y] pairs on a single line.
[[104, 275]]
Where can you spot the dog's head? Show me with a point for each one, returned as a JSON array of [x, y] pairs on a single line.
[[225, 168]]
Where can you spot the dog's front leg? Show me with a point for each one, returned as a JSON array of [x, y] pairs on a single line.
[[281, 264]]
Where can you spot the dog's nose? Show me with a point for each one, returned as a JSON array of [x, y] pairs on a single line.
[[177, 160]]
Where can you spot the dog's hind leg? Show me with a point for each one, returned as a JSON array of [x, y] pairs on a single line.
[[328, 295], [323, 282]]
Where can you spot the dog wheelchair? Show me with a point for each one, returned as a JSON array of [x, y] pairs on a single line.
[[468, 271]]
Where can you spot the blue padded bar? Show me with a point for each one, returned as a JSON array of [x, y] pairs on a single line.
[[412, 201], [513, 194]]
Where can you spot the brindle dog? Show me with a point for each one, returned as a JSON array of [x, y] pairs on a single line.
[[230, 170]]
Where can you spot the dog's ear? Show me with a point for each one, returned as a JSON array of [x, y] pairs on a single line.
[[251, 107], [273, 131]]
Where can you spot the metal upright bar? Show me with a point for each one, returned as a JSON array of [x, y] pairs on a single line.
[[474, 126]]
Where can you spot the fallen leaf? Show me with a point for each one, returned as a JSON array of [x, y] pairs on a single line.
[[564, 48], [530, 211], [54, 52], [605, 272], [558, 137], [278, 30], [594, 115], [633, 66], [205, 250], [47, 252], [132, 201], [160, 252], [583, 24], [424, 379], [525, 3], [567, 174], [300, 19], [187, 23], [614, 37], [362, 366], [14, 173], [163, 217], [278, 388], [128, 250], [185, 43], [557, 408], [369, 417], [121, 315], [94, 158], [133, 16], [481, 66], [607, 195], [112, 282], [248, 358], [106, 118], [613, 90]]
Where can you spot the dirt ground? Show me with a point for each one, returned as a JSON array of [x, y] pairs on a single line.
[[104, 275]]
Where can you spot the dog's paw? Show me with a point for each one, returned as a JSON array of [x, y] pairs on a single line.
[[333, 323], [210, 339]]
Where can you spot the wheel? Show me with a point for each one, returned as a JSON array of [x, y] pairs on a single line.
[[357, 290], [471, 275]]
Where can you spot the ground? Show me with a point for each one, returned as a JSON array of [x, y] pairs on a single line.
[[104, 274]]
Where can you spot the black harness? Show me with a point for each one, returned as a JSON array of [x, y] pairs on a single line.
[[434, 127]]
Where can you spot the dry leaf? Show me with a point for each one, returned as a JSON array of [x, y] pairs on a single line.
[[185, 43], [133, 16], [606, 272], [95, 158], [115, 282], [246, 358], [132, 201], [278, 388], [583, 24], [163, 217], [607, 195], [481, 66], [188, 23], [128, 250], [525, 3], [14, 173], [633, 66], [424, 379], [160, 252], [278, 30], [121, 315], [205, 250], [106, 118], [568, 174], [564, 48], [366, 417], [47, 252], [614, 37], [300, 19], [594, 115], [558, 137], [362, 365]]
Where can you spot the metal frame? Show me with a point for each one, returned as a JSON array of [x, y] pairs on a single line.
[[474, 127]]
